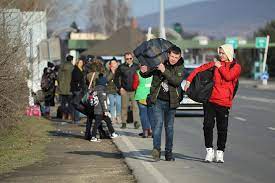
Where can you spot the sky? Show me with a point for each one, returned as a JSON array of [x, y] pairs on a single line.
[[144, 7]]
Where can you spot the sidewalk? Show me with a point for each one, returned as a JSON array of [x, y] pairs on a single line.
[[72, 159], [137, 153]]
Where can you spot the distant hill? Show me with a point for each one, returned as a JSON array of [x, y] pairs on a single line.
[[217, 18]]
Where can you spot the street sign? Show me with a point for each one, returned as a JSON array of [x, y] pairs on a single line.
[[261, 42], [264, 76], [232, 40]]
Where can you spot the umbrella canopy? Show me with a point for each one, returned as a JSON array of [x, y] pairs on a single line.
[[124, 40]]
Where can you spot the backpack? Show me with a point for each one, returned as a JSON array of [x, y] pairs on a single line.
[[45, 82], [201, 87], [153, 52]]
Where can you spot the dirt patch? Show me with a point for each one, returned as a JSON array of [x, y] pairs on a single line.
[[73, 159]]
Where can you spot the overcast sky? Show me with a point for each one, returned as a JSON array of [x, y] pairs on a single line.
[[143, 7]]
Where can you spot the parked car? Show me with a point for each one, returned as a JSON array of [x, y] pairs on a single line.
[[187, 103]]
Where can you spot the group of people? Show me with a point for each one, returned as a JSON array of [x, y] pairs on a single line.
[[152, 94]]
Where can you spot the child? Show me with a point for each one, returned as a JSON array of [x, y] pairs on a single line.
[[101, 111]]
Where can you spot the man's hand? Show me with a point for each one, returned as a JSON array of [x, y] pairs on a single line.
[[187, 84], [161, 67], [122, 91], [218, 64], [143, 68]]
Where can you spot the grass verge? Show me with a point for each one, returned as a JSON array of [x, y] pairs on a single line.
[[24, 144]]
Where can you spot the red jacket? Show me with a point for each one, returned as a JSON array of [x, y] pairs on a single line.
[[135, 82], [225, 80]]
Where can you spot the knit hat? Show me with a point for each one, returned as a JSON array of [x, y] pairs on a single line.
[[228, 50]]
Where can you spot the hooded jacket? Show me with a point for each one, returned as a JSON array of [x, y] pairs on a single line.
[[225, 80]]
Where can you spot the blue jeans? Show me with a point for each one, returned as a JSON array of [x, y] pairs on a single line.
[[145, 117], [163, 114], [115, 105], [76, 98]]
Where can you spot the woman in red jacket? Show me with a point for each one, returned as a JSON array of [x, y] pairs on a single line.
[[220, 101]]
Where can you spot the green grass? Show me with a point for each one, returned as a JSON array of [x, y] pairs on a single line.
[[24, 144]]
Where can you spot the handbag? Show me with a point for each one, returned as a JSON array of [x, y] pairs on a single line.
[[88, 101]]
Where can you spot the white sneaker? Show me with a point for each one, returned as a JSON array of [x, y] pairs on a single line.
[[94, 139], [209, 155], [114, 135], [219, 156]]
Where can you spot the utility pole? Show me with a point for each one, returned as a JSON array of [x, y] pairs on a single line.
[[161, 20]]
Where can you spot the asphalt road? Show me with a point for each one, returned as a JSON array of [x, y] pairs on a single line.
[[250, 152], [249, 155]]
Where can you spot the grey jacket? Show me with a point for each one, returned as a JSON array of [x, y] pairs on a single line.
[[102, 105]]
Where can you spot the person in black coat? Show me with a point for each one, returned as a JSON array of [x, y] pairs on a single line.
[[77, 87]]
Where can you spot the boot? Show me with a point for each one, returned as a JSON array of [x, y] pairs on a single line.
[[145, 133], [150, 134], [123, 126], [169, 156], [136, 125], [64, 116], [156, 154], [70, 117]]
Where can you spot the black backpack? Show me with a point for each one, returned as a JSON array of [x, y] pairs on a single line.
[[153, 52], [201, 87], [45, 82]]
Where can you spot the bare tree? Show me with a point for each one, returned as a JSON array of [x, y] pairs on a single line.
[[14, 71], [108, 16]]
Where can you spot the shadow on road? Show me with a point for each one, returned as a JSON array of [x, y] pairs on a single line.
[[65, 134], [143, 154], [189, 114]]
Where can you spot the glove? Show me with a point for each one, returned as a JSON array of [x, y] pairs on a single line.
[[108, 114]]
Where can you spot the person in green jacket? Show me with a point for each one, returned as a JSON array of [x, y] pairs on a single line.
[[64, 85], [165, 98], [142, 89]]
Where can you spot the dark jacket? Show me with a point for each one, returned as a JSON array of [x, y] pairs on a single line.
[[77, 81], [174, 75], [111, 87], [64, 78], [124, 76], [102, 105], [225, 79]]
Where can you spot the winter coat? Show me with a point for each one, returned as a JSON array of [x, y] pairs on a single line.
[[111, 87], [174, 75], [124, 76], [102, 105], [225, 79], [77, 81], [64, 78]]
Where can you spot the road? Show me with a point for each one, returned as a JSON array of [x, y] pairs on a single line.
[[250, 151]]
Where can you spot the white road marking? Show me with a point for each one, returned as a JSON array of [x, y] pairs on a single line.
[[271, 128], [154, 172], [239, 118], [257, 99]]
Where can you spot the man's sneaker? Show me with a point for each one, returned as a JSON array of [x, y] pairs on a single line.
[[123, 126], [209, 155], [136, 125], [219, 156], [94, 139], [156, 154], [114, 135], [169, 156]]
